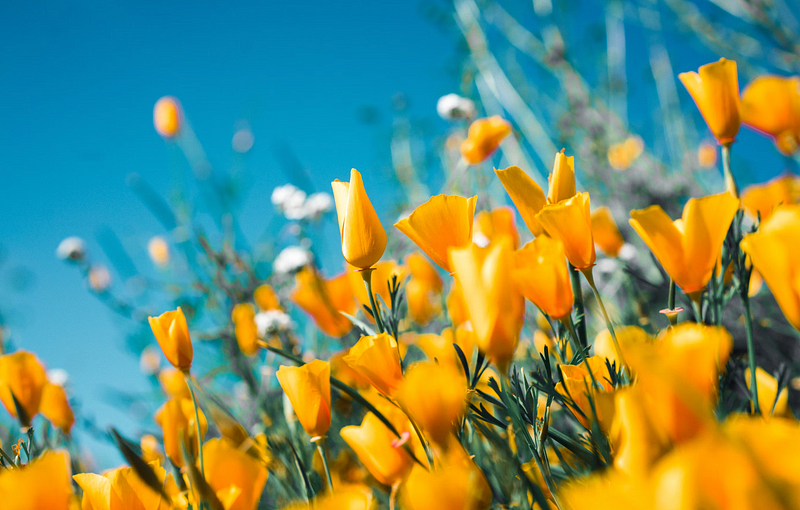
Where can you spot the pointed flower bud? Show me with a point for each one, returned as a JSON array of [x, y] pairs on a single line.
[[362, 235]]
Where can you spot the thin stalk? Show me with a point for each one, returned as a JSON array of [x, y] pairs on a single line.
[[567, 322], [425, 445], [730, 181], [575, 280], [751, 351], [321, 449], [196, 424], [366, 274], [673, 318], [590, 278]]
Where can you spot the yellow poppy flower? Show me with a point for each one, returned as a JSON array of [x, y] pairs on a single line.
[[688, 248], [244, 328], [707, 155], [55, 407], [172, 333], [637, 440], [577, 382], [151, 451], [456, 306], [493, 302], [423, 303], [344, 497], [441, 223], [439, 348], [541, 272], [22, 374], [771, 105], [118, 489], [527, 196], [266, 299], [562, 179], [626, 336], [715, 90], [362, 235], [483, 138], [309, 390], [227, 467], [770, 402], [378, 449], [176, 419], [489, 225], [173, 382], [570, 222], [437, 411], [376, 359], [762, 199], [323, 299], [167, 116], [606, 233], [381, 278], [43, 484], [773, 252]]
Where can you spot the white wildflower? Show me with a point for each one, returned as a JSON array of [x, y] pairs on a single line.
[[291, 259], [453, 106], [318, 204], [58, 376], [243, 140], [71, 248], [628, 252], [272, 322]]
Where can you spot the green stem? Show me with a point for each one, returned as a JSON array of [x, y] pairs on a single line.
[[730, 181], [425, 445], [321, 450], [366, 274], [673, 318], [751, 350], [567, 322], [590, 278], [575, 280], [197, 425]]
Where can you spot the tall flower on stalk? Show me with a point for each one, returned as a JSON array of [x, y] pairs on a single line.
[[715, 90], [570, 221], [441, 223], [483, 138], [771, 105], [362, 235], [177, 421], [688, 248], [309, 390], [172, 333], [774, 254], [493, 301]]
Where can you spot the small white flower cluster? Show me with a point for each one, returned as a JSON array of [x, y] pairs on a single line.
[[455, 107], [71, 248], [291, 259], [272, 322], [295, 205]]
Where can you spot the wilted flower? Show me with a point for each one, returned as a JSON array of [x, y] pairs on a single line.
[[71, 248], [483, 138], [291, 259], [454, 107], [158, 249], [362, 235], [771, 105], [715, 90]]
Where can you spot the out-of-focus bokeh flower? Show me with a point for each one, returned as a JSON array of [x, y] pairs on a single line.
[[272, 322], [362, 235], [266, 298], [172, 333], [715, 90], [42, 484], [324, 299], [771, 105], [168, 116], [291, 259], [71, 248], [771, 403], [455, 107], [244, 328], [490, 225], [606, 233], [55, 407], [158, 249], [689, 247], [436, 411], [24, 376], [377, 449], [441, 223], [177, 421], [622, 155], [243, 139], [149, 360], [762, 199], [99, 278], [227, 468], [483, 138], [423, 289], [707, 155]]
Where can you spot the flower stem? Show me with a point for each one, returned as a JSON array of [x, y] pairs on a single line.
[[590, 278], [366, 274], [321, 449], [196, 424], [673, 317], [751, 350], [575, 280], [730, 181]]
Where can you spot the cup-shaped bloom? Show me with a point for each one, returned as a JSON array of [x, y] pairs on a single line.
[[22, 375], [324, 299], [244, 328], [490, 225], [266, 299], [119, 489], [715, 90], [483, 138], [528, 197], [688, 248], [456, 483], [376, 359], [627, 336], [377, 448], [637, 439], [771, 105], [441, 223], [562, 180], [55, 407], [762, 199], [606, 233], [226, 467], [43, 484], [773, 252], [587, 401], [542, 275], [342, 371], [172, 333], [770, 402], [571, 222], [362, 235], [493, 301], [167, 116], [435, 396], [176, 419], [309, 390]]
